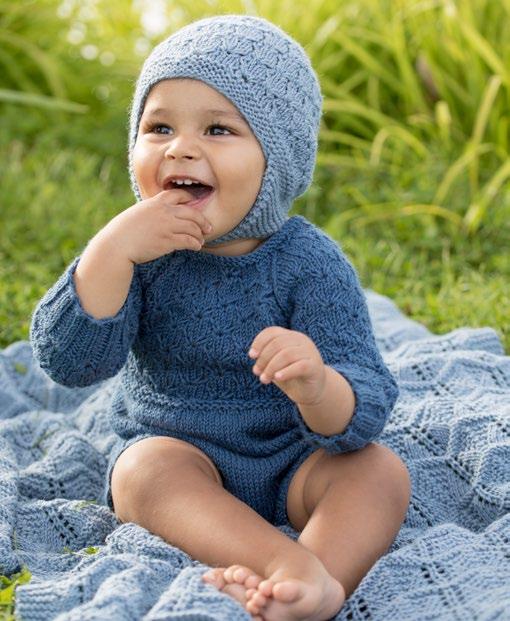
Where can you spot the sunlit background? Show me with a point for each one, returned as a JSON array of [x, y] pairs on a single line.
[[412, 176]]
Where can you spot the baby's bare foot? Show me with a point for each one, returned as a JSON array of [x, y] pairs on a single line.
[[288, 595], [235, 581]]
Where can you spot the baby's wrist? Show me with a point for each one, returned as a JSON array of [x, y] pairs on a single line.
[[108, 246]]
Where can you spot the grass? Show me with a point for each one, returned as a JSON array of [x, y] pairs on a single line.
[[8, 593]]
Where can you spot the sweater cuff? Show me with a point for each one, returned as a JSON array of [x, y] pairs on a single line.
[[72, 346], [374, 400]]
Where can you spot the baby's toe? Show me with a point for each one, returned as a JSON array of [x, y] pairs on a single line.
[[239, 574], [252, 608], [215, 577], [253, 581], [258, 599], [265, 587], [228, 574]]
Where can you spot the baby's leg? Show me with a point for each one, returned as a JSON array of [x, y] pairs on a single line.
[[356, 503], [170, 489]]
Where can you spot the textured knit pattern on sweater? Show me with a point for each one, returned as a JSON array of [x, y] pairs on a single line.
[[184, 333], [450, 426]]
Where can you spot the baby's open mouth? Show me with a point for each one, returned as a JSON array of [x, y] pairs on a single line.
[[196, 190]]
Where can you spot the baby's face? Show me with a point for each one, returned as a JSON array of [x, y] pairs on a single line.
[[183, 138]]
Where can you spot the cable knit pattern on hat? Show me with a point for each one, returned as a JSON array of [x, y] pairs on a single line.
[[184, 333], [268, 76]]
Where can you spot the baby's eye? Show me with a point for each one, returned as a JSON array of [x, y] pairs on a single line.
[[153, 128], [156, 126], [220, 127]]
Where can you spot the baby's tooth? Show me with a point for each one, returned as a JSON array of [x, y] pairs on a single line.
[[185, 182]]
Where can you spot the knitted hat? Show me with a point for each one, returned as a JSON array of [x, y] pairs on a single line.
[[268, 76]]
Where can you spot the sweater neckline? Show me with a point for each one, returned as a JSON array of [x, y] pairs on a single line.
[[243, 259]]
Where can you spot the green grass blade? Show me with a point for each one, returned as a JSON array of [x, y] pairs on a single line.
[[8, 586], [443, 121], [481, 121], [477, 210], [396, 132], [457, 168], [343, 90], [410, 210], [341, 161], [486, 51], [412, 90], [485, 108], [368, 60], [323, 34], [44, 61], [330, 62], [358, 109], [339, 219], [41, 101], [329, 135], [16, 72]]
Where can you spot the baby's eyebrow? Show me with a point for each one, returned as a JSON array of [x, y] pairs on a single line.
[[216, 112]]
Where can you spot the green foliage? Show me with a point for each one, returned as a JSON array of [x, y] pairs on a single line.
[[399, 85], [413, 168], [88, 550], [82, 504], [8, 593]]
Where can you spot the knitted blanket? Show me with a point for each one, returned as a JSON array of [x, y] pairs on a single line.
[[450, 560]]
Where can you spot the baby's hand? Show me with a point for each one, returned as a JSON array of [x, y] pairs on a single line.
[[291, 360], [157, 226]]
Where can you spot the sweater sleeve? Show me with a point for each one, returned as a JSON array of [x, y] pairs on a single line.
[[73, 347], [330, 308]]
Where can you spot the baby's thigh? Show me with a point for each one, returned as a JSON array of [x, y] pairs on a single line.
[[149, 466]]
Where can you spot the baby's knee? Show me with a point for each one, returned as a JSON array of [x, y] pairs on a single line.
[[399, 475], [152, 469]]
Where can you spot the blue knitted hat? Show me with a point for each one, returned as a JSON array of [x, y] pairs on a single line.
[[268, 76]]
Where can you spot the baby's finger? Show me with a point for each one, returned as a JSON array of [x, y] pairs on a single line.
[[293, 371], [279, 361], [179, 198], [190, 213], [263, 338], [281, 342]]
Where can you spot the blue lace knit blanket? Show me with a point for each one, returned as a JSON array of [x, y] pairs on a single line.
[[450, 560]]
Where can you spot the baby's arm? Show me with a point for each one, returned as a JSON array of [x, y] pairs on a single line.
[[103, 279], [330, 308], [83, 328]]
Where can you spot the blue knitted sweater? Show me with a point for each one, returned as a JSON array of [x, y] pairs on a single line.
[[182, 338]]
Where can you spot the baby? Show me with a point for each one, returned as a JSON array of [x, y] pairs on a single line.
[[250, 388]]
